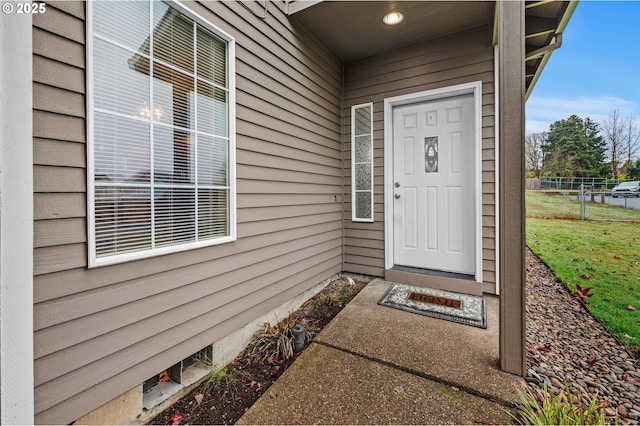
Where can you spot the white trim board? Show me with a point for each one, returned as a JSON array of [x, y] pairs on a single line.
[[496, 156], [16, 220], [474, 88]]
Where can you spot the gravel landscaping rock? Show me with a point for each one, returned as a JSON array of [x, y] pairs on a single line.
[[565, 344]]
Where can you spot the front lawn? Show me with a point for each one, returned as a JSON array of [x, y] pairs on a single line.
[[604, 256]]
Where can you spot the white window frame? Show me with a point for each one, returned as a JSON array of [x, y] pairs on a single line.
[[354, 218], [93, 261]]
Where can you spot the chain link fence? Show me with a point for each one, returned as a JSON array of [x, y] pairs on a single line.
[[571, 183], [580, 198]]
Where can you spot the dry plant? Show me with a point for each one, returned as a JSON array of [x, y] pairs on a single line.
[[272, 343]]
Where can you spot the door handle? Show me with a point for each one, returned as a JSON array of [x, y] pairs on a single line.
[[396, 195], [397, 184]]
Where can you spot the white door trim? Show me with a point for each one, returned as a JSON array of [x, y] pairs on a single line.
[[474, 88]]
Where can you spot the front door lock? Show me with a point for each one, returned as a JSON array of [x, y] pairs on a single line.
[[396, 195]]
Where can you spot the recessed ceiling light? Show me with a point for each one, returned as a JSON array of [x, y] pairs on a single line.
[[393, 18]]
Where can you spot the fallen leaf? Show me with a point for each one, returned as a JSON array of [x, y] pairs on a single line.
[[632, 308], [593, 361], [164, 377], [631, 379], [617, 257], [585, 277], [253, 384], [541, 348], [626, 336], [175, 419], [199, 398], [582, 293]]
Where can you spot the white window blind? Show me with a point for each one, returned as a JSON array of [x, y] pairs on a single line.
[[362, 163], [161, 131]]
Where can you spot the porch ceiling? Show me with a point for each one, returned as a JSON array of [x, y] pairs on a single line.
[[354, 30]]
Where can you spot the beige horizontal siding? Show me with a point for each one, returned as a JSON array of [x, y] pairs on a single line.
[[176, 340], [58, 153], [189, 304], [102, 331], [458, 59], [256, 244], [59, 205]]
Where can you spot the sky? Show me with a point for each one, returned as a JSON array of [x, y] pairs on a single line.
[[596, 70]]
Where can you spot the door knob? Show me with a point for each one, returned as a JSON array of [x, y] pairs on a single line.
[[397, 195], [397, 184]]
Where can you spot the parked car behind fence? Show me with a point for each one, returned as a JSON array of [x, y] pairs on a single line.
[[626, 189]]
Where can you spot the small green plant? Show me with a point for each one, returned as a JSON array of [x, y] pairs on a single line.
[[546, 408], [272, 343], [330, 299], [216, 376]]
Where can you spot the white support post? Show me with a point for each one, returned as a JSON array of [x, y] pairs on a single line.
[[16, 217]]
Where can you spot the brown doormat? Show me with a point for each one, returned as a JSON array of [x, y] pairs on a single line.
[[455, 307]]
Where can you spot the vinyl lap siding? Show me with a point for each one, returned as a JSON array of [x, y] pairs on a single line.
[[100, 332], [455, 60]]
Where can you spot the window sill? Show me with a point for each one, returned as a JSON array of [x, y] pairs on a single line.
[[133, 256]]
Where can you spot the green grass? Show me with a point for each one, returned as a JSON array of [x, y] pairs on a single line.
[[602, 255], [549, 205]]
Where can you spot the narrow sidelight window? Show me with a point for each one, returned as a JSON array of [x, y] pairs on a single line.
[[362, 163], [161, 131]]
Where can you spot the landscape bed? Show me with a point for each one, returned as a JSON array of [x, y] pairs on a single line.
[[228, 392]]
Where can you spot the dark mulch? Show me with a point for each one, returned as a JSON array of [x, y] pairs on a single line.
[[225, 402]]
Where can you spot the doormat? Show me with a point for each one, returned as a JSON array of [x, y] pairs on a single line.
[[440, 304]]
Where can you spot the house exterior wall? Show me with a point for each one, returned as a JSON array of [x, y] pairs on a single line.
[[454, 60], [100, 332]]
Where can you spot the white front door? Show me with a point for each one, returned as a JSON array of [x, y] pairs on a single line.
[[434, 185]]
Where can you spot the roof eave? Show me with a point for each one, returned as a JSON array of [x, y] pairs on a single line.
[[564, 20]]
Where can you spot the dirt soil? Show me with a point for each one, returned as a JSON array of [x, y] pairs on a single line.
[[225, 401]]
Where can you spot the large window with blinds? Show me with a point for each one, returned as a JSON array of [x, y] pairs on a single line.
[[362, 163], [161, 131]]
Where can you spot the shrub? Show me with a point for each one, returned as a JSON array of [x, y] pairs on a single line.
[[546, 408], [272, 342], [330, 299]]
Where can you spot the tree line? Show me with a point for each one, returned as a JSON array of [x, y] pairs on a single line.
[[583, 148]]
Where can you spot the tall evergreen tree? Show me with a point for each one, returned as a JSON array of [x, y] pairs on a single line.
[[633, 172], [574, 147]]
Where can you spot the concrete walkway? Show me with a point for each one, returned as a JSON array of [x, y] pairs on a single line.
[[378, 365]]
